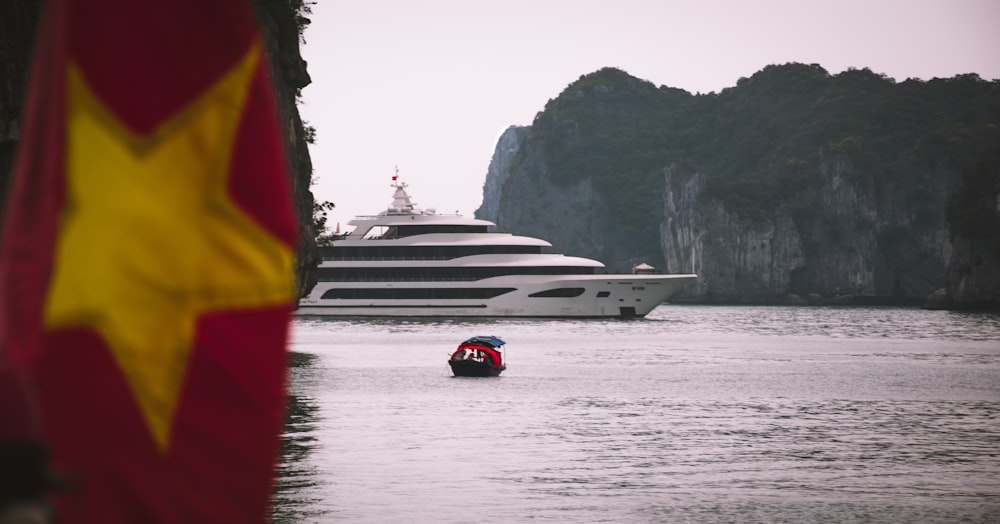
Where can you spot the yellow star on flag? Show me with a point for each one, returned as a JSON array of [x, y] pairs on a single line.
[[150, 239]]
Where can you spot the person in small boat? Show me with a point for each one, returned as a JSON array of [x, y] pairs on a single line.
[[490, 357]]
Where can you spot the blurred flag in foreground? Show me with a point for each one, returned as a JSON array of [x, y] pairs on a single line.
[[146, 265]]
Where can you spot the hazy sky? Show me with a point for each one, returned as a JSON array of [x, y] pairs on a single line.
[[429, 85]]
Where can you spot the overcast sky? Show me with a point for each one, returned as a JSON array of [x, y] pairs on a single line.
[[429, 85]]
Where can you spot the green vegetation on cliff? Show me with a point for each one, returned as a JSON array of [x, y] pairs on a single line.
[[619, 132], [760, 142]]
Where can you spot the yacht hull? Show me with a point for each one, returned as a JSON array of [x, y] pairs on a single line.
[[583, 296]]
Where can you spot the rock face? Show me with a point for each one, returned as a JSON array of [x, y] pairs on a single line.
[[18, 21], [500, 165], [974, 216], [280, 29], [846, 237], [568, 216], [824, 202], [575, 213], [736, 259], [974, 278]]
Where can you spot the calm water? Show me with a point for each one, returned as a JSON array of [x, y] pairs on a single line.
[[694, 414]]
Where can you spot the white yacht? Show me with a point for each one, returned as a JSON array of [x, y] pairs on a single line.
[[408, 261]]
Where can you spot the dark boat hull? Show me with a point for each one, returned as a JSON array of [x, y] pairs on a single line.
[[472, 368]]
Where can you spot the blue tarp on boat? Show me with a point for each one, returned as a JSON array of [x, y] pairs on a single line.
[[489, 341]]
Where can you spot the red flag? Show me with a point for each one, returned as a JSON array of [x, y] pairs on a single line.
[[146, 266]]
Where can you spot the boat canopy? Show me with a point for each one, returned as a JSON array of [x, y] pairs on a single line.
[[488, 341], [483, 353]]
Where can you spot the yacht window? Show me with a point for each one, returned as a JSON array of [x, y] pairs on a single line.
[[416, 293], [402, 274], [377, 251], [375, 232], [425, 229], [561, 292]]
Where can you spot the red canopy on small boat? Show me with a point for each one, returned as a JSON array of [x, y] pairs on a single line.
[[475, 351]]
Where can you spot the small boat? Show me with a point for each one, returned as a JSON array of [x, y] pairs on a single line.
[[478, 357]]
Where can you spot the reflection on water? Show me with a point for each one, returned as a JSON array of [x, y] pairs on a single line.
[[694, 414], [295, 492]]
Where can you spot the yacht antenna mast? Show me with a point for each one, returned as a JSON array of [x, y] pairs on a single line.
[[401, 202]]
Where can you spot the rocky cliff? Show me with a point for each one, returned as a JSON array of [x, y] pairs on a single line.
[[974, 218], [848, 237], [795, 185], [544, 193], [18, 20], [500, 165], [281, 22], [537, 206]]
